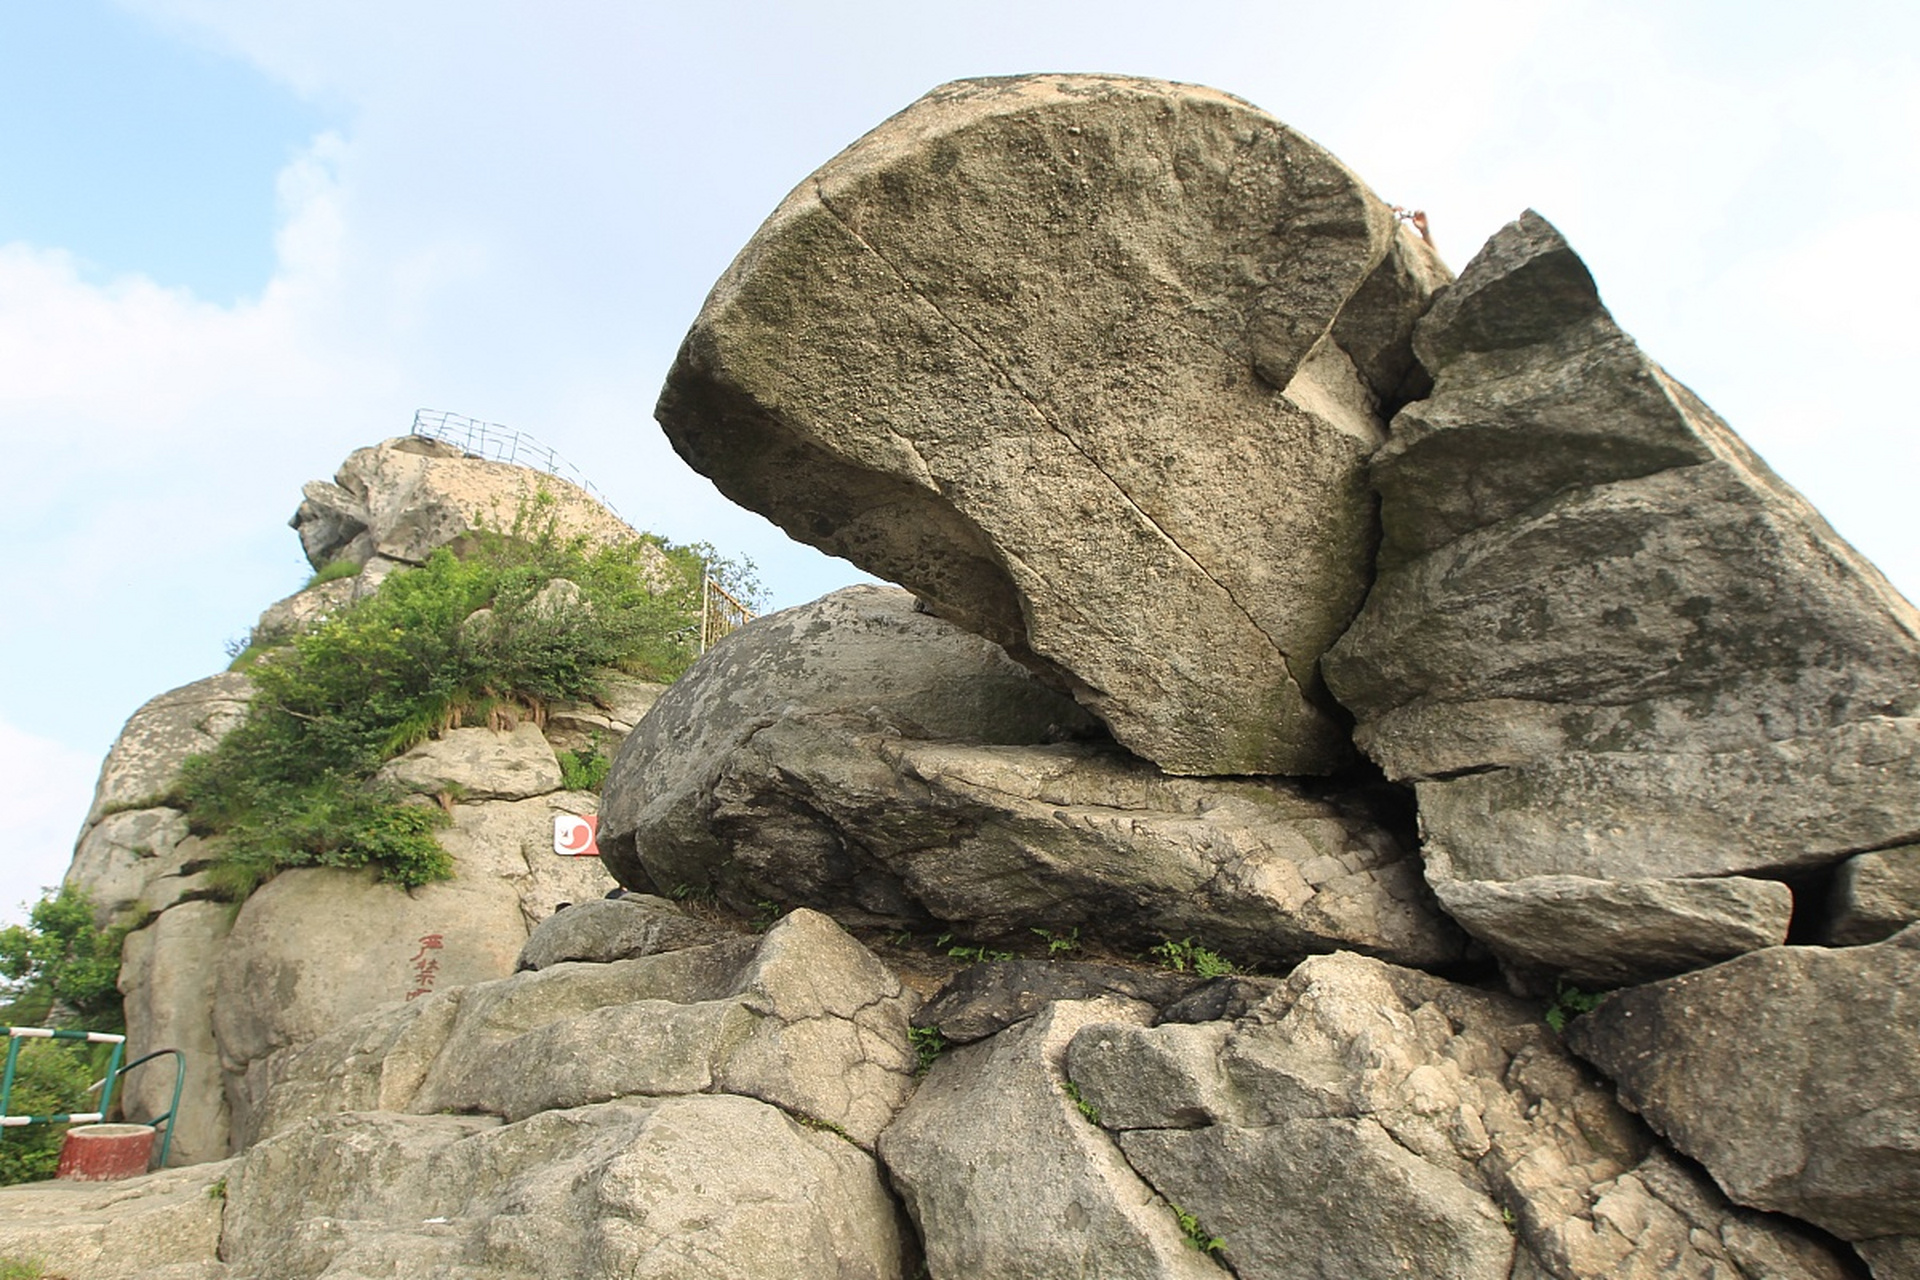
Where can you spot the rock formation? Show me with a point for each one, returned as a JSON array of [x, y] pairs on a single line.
[[1093, 365], [1173, 439]]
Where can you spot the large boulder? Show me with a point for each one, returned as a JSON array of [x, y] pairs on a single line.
[[315, 947], [1368, 1120], [1606, 642], [1789, 1073], [163, 1226], [120, 856], [399, 500], [169, 972], [1006, 1177], [803, 1018], [719, 1186], [1093, 364], [863, 758]]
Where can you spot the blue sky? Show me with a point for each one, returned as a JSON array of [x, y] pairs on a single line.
[[239, 240]]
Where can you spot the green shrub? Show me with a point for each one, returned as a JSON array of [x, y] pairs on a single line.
[[1185, 955], [294, 784], [583, 770], [50, 1078], [63, 968], [332, 571]]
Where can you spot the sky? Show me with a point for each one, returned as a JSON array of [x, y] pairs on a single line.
[[238, 241]]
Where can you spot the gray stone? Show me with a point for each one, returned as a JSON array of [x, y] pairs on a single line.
[[478, 764], [862, 758], [985, 999], [1612, 933], [169, 971], [121, 854], [602, 724], [1891, 1257], [305, 609], [608, 929], [1788, 1073], [802, 1017], [1605, 640], [1005, 1177], [163, 1225], [144, 762], [402, 498], [1875, 895], [1371, 1120], [1064, 354], [652, 1189]]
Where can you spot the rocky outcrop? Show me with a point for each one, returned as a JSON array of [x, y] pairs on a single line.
[[1092, 364], [1875, 895], [144, 762], [1058, 1198], [1367, 1120], [1788, 1073], [803, 1018], [400, 499], [162, 1227], [863, 758], [1607, 643], [716, 1186]]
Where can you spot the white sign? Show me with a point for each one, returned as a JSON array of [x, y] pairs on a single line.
[[573, 835]]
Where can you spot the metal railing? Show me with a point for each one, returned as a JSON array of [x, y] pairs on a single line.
[[496, 443], [720, 613], [16, 1036]]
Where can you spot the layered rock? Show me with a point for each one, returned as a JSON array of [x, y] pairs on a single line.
[[1370, 1120], [1618, 657], [1093, 365], [863, 758], [399, 500], [1788, 1073], [803, 1018]]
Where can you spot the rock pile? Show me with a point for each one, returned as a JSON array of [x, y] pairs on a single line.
[[1417, 643]]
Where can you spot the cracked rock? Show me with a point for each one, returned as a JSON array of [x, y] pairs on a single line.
[[1371, 1120], [1092, 364], [863, 758], [803, 1017], [1606, 642]]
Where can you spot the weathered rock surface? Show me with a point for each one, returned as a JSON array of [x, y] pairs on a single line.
[[1789, 1073], [803, 1017], [1369, 1120], [121, 854], [306, 608], [169, 972], [315, 947], [602, 725], [1006, 1178], [985, 999], [608, 929], [1093, 364], [863, 758], [402, 498], [650, 1188], [145, 759], [1613, 933], [1605, 640], [164, 1226], [479, 764], [1874, 896]]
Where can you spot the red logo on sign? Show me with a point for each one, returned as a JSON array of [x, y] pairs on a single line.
[[573, 835]]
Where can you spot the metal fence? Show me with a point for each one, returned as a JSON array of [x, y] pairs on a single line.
[[496, 443], [720, 613]]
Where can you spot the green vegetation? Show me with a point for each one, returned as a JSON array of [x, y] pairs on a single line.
[[928, 1044], [23, 1269], [217, 1189], [476, 638], [1569, 1002], [1184, 956], [1195, 1233], [583, 770], [1057, 943], [62, 971], [332, 571], [1087, 1109]]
